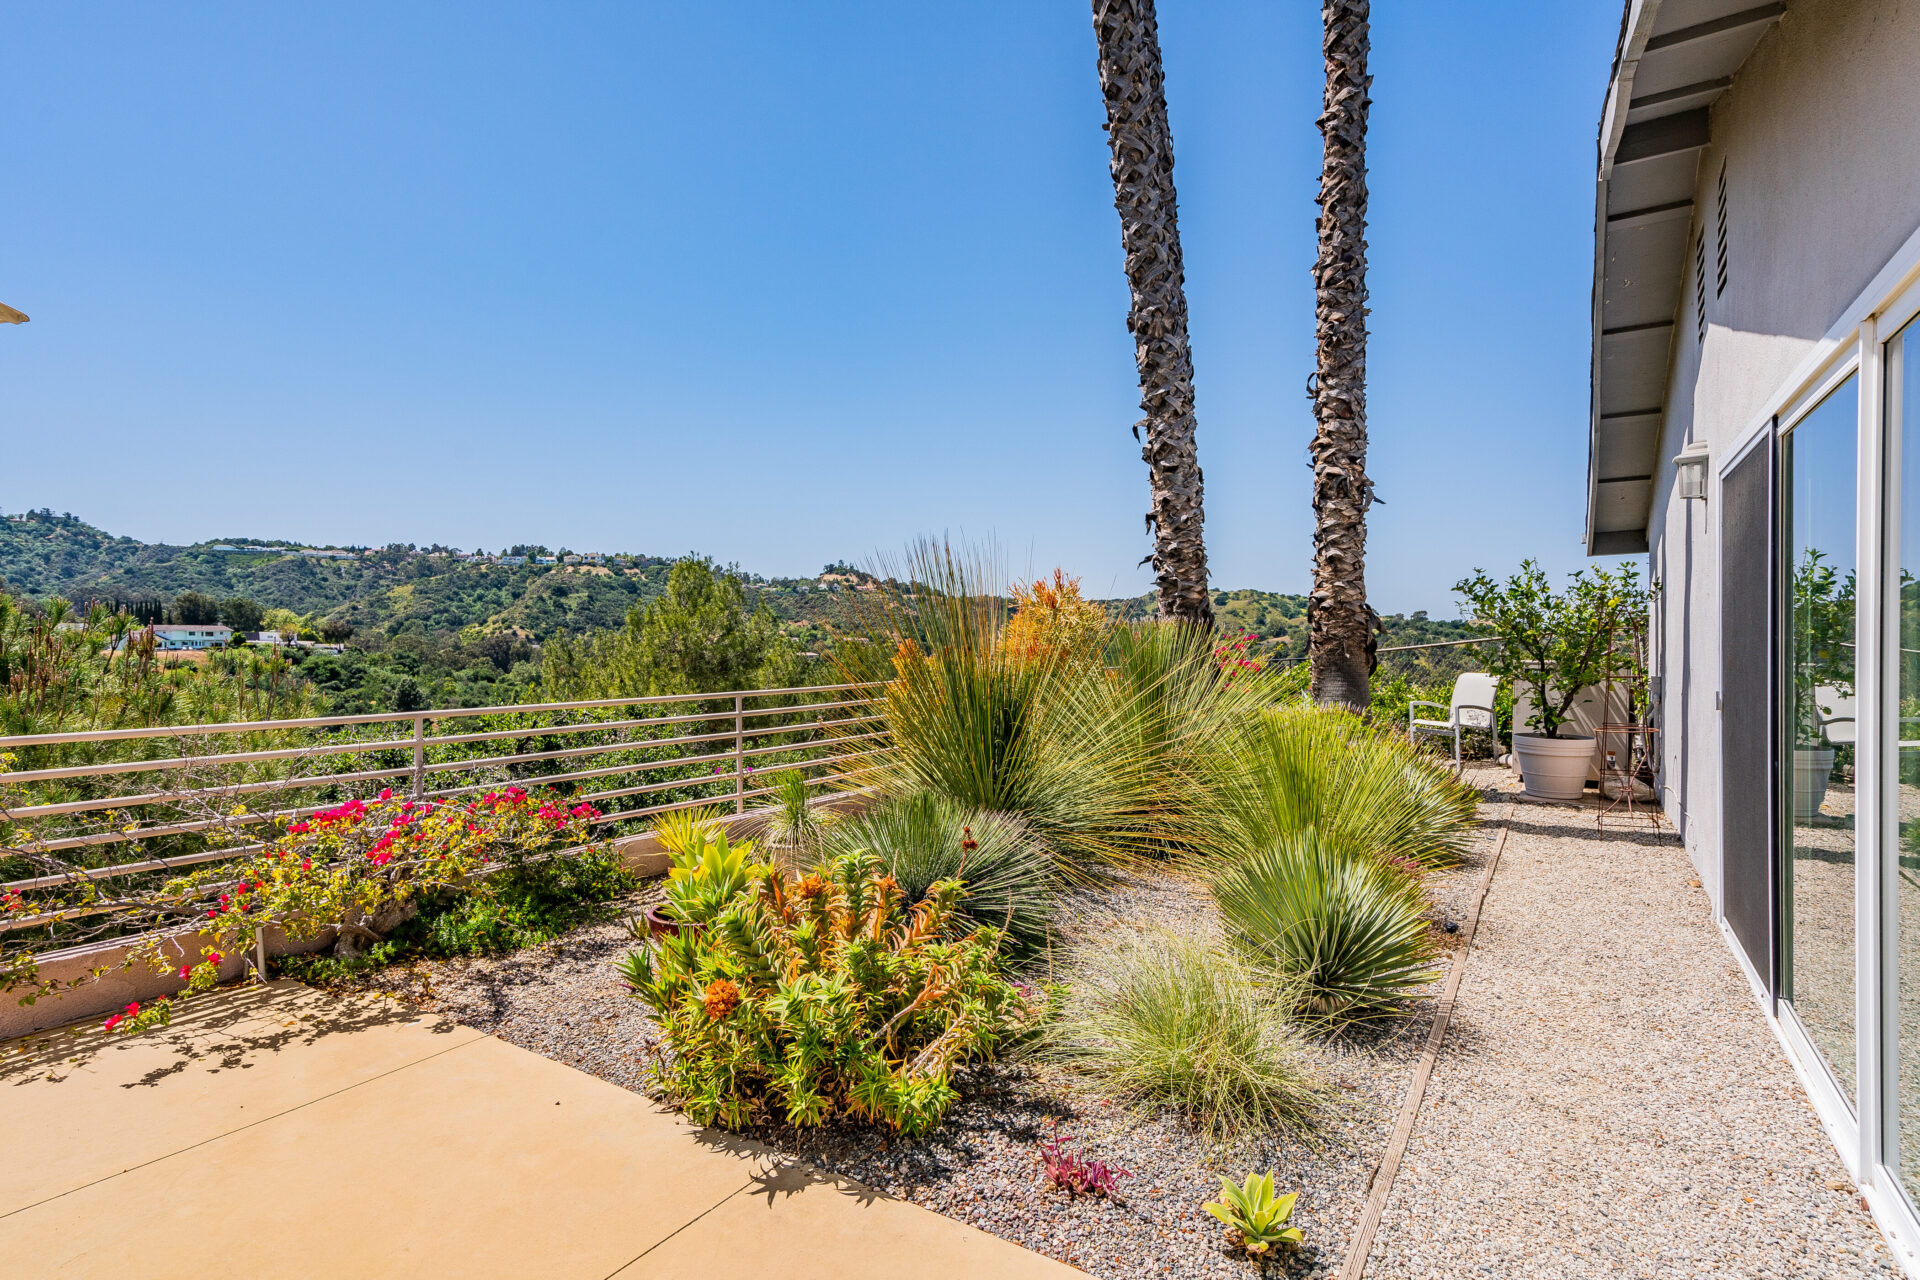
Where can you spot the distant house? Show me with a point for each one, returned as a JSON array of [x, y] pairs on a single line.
[[320, 553], [1755, 431], [513, 559], [547, 560], [222, 546], [178, 635]]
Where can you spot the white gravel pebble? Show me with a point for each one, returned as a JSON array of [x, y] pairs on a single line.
[[1610, 1101]]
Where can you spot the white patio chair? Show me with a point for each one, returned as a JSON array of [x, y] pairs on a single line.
[[1835, 710], [1836, 714], [1471, 708]]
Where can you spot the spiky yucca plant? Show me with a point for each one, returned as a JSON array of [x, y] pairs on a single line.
[[1349, 928], [1102, 765], [924, 838], [1359, 785], [1175, 1020]]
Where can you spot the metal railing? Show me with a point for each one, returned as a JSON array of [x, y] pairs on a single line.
[[131, 805]]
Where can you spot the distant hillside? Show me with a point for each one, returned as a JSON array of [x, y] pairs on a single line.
[[401, 591], [1282, 620], [390, 592]]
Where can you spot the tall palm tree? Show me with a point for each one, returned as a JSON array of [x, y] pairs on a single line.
[[1130, 77], [1340, 634]]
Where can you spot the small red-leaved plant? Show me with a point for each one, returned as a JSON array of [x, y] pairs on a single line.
[[1074, 1173]]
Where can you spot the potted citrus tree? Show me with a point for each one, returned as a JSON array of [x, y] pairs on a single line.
[[1557, 644], [1822, 645]]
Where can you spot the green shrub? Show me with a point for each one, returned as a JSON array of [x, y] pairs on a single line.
[[1176, 1020], [1362, 787], [1006, 878], [1349, 928], [522, 906], [826, 997]]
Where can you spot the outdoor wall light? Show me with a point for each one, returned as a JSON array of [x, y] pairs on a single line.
[[1691, 469]]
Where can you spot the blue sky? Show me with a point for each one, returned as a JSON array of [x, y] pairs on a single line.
[[779, 283]]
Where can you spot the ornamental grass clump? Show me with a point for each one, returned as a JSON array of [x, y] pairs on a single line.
[[826, 997], [1360, 786], [1178, 1021], [924, 838], [1351, 930]]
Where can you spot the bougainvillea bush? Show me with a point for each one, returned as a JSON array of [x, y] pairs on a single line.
[[824, 996], [356, 871]]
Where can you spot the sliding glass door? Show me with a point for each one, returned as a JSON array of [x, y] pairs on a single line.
[[1903, 727], [1819, 482]]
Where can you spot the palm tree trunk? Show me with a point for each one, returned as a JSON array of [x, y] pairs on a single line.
[[1340, 641], [1130, 77]]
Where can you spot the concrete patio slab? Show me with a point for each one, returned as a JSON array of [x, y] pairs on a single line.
[[371, 1144], [91, 1105], [800, 1224]]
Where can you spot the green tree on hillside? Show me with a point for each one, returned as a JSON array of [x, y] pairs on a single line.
[[699, 637], [193, 609], [241, 613]]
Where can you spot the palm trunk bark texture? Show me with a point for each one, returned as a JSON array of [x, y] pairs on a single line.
[[1135, 90], [1340, 638]]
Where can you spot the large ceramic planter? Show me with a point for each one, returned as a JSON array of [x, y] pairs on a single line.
[[1553, 768], [1812, 767]]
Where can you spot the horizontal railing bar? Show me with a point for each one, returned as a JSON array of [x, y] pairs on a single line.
[[613, 793], [392, 717], [131, 868], [8, 925], [175, 763], [188, 762], [1438, 644], [214, 855], [494, 735]]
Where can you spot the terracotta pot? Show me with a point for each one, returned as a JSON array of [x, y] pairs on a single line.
[[1553, 768], [662, 925]]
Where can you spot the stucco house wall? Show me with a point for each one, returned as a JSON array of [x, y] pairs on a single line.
[[1819, 138]]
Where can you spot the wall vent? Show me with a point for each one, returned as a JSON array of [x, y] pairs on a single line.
[[1700, 285], [1720, 270]]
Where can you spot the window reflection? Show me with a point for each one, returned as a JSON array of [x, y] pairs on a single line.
[[1819, 480]]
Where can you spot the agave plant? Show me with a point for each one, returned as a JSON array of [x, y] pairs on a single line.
[[1350, 928], [1256, 1218], [681, 830], [708, 875], [1007, 880], [1360, 786]]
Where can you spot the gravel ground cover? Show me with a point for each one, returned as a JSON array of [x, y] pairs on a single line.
[[982, 1165], [1610, 1101]]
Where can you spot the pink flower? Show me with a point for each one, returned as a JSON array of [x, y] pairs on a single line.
[[111, 1023]]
